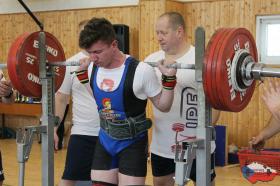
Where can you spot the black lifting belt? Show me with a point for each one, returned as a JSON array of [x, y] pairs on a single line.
[[126, 129]]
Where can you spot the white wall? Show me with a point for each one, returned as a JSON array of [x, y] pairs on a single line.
[[13, 6]]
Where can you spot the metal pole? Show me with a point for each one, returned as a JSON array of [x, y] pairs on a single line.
[[31, 14], [47, 119], [177, 65], [269, 72], [204, 115], [21, 173], [21, 160]]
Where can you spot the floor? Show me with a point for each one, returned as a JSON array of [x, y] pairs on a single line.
[[226, 176]]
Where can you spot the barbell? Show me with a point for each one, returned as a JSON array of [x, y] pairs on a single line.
[[230, 67], [78, 63]]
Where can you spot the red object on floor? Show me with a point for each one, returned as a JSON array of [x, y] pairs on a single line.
[[262, 166]]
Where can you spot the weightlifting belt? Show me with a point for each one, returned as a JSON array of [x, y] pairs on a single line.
[[126, 129]]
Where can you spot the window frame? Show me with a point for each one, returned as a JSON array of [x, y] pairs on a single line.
[[261, 40]]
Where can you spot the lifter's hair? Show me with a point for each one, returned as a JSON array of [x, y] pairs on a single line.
[[97, 29]]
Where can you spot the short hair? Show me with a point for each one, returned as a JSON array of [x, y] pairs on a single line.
[[175, 19], [97, 29]]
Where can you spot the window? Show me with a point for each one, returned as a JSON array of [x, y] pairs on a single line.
[[268, 39]]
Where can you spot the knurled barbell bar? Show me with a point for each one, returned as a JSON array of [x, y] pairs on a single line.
[[229, 72], [77, 63]]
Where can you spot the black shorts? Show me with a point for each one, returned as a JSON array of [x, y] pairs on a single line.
[[79, 157], [1, 169], [164, 166], [131, 161]]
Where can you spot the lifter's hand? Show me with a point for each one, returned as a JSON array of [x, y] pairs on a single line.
[[167, 71], [84, 63], [5, 87]]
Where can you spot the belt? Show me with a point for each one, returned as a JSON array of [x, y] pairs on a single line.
[[127, 128]]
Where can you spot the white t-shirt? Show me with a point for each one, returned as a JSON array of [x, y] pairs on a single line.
[[85, 114], [145, 83], [183, 111]]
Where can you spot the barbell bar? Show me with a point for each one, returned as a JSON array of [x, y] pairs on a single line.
[[229, 73], [153, 64], [258, 70], [77, 63]]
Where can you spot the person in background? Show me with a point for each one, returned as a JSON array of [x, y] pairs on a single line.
[[271, 99], [6, 91], [61, 129], [85, 120], [171, 35], [7, 96]]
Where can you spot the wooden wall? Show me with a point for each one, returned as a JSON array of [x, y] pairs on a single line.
[[141, 20], [63, 25]]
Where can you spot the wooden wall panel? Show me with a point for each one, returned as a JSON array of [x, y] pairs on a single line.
[[235, 13], [175, 6], [149, 12], [64, 25]]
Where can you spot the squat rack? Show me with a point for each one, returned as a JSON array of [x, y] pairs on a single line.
[[201, 146], [45, 129]]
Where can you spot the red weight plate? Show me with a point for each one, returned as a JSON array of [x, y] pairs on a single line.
[[215, 84], [12, 65], [233, 100], [213, 71], [207, 68], [249, 44], [27, 63]]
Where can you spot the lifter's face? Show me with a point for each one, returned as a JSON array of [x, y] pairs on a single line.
[[102, 53], [167, 35]]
